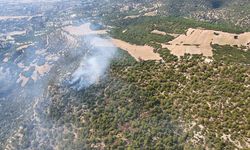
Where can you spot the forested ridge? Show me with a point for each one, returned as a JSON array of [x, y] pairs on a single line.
[[185, 104]]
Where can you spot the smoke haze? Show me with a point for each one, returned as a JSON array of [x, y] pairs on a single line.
[[94, 65]]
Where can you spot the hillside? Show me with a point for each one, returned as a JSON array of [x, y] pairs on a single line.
[[125, 74], [182, 102], [187, 104], [175, 103]]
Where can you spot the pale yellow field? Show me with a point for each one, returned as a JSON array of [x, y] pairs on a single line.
[[198, 41], [138, 52], [159, 32]]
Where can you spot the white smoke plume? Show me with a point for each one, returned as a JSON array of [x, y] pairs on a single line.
[[93, 66]]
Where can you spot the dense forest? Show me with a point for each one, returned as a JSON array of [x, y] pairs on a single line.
[[185, 104]]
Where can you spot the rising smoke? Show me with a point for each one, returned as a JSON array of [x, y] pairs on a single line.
[[94, 65]]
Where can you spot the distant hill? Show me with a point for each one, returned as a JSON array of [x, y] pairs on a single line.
[[233, 11]]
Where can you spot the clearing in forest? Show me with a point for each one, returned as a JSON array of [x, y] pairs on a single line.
[[198, 41], [138, 52]]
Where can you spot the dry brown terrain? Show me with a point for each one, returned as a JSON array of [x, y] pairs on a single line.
[[159, 32], [198, 41], [138, 52], [39, 71]]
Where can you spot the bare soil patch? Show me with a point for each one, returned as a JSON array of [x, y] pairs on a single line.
[[159, 32]]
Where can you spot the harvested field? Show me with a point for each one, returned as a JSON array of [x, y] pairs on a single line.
[[138, 52], [198, 41]]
